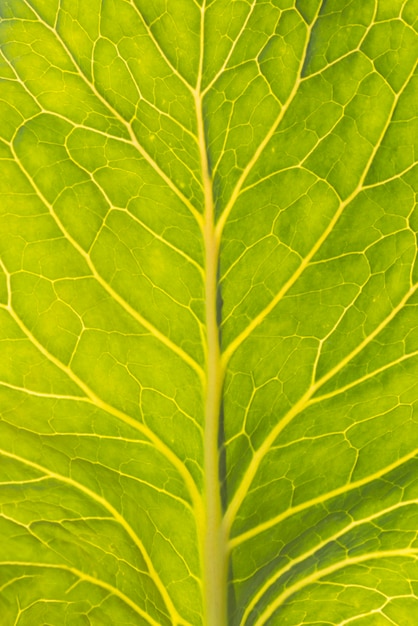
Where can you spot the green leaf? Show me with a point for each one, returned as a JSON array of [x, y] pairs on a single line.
[[208, 313]]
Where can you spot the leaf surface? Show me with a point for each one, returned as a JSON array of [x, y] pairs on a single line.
[[208, 312]]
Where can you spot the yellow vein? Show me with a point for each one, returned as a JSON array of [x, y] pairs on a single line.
[[96, 401], [350, 52], [154, 165], [158, 47], [379, 611], [140, 96], [41, 394], [212, 541], [28, 528], [77, 125], [322, 499], [397, 176], [234, 345], [61, 116], [133, 423], [359, 381], [297, 408], [23, 483], [164, 241], [115, 514], [231, 51], [326, 571], [114, 294], [247, 170], [91, 579], [12, 581], [111, 469], [94, 435], [136, 479], [320, 545], [306, 261], [131, 215]]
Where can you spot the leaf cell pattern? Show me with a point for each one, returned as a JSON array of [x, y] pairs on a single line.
[[208, 312]]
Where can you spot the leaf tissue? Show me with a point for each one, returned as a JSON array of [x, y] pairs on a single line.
[[208, 313]]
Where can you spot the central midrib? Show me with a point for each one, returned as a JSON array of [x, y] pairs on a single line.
[[214, 544]]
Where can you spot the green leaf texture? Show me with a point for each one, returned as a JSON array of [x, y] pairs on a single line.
[[208, 313]]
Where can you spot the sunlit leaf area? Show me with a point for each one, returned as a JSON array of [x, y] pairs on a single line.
[[208, 313]]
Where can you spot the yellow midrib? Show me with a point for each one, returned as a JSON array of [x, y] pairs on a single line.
[[213, 543]]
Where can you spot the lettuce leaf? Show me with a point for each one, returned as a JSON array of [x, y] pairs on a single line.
[[208, 312]]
